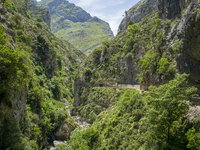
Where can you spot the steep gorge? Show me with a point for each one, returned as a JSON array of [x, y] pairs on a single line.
[[151, 52], [40, 73]]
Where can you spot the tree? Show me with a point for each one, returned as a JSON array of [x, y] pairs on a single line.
[[194, 139], [39, 19], [130, 23], [84, 139], [92, 116], [166, 113]]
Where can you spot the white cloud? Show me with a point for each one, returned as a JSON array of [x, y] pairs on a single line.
[[110, 11], [113, 20]]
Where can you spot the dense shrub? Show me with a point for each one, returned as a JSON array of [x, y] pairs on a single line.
[[39, 19], [153, 120]]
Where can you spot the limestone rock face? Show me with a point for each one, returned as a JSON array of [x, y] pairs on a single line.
[[137, 13], [77, 14], [170, 9], [188, 31]]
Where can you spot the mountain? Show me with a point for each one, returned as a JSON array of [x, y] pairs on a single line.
[[137, 13], [73, 24]]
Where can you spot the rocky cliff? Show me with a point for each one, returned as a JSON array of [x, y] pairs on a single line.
[[168, 9], [187, 30], [73, 24], [138, 12], [75, 15]]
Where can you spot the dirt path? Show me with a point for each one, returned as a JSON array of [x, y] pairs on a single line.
[[128, 86]]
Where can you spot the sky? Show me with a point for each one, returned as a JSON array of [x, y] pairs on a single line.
[[111, 11]]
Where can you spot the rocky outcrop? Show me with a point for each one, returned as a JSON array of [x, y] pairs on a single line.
[[170, 9], [76, 14], [137, 13], [63, 132], [5, 22], [188, 31]]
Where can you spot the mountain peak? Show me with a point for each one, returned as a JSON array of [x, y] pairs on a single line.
[[72, 23], [65, 10]]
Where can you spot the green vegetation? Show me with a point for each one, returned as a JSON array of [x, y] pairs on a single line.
[[175, 21], [38, 71], [39, 19], [67, 24], [197, 10], [10, 6], [84, 139], [145, 40], [154, 120], [15, 67], [96, 100], [89, 34], [13, 138], [130, 23]]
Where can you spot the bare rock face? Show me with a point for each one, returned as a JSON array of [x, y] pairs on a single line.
[[77, 14], [63, 132], [170, 9], [137, 13], [188, 31]]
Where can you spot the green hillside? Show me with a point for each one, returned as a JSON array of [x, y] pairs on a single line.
[[73, 24]]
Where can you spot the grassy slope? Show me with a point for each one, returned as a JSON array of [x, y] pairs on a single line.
[[89, 33]]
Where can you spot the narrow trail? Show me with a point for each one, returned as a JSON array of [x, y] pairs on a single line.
[[126, 86]]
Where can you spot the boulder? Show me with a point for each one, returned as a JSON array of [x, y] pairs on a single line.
[[63, 132]]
